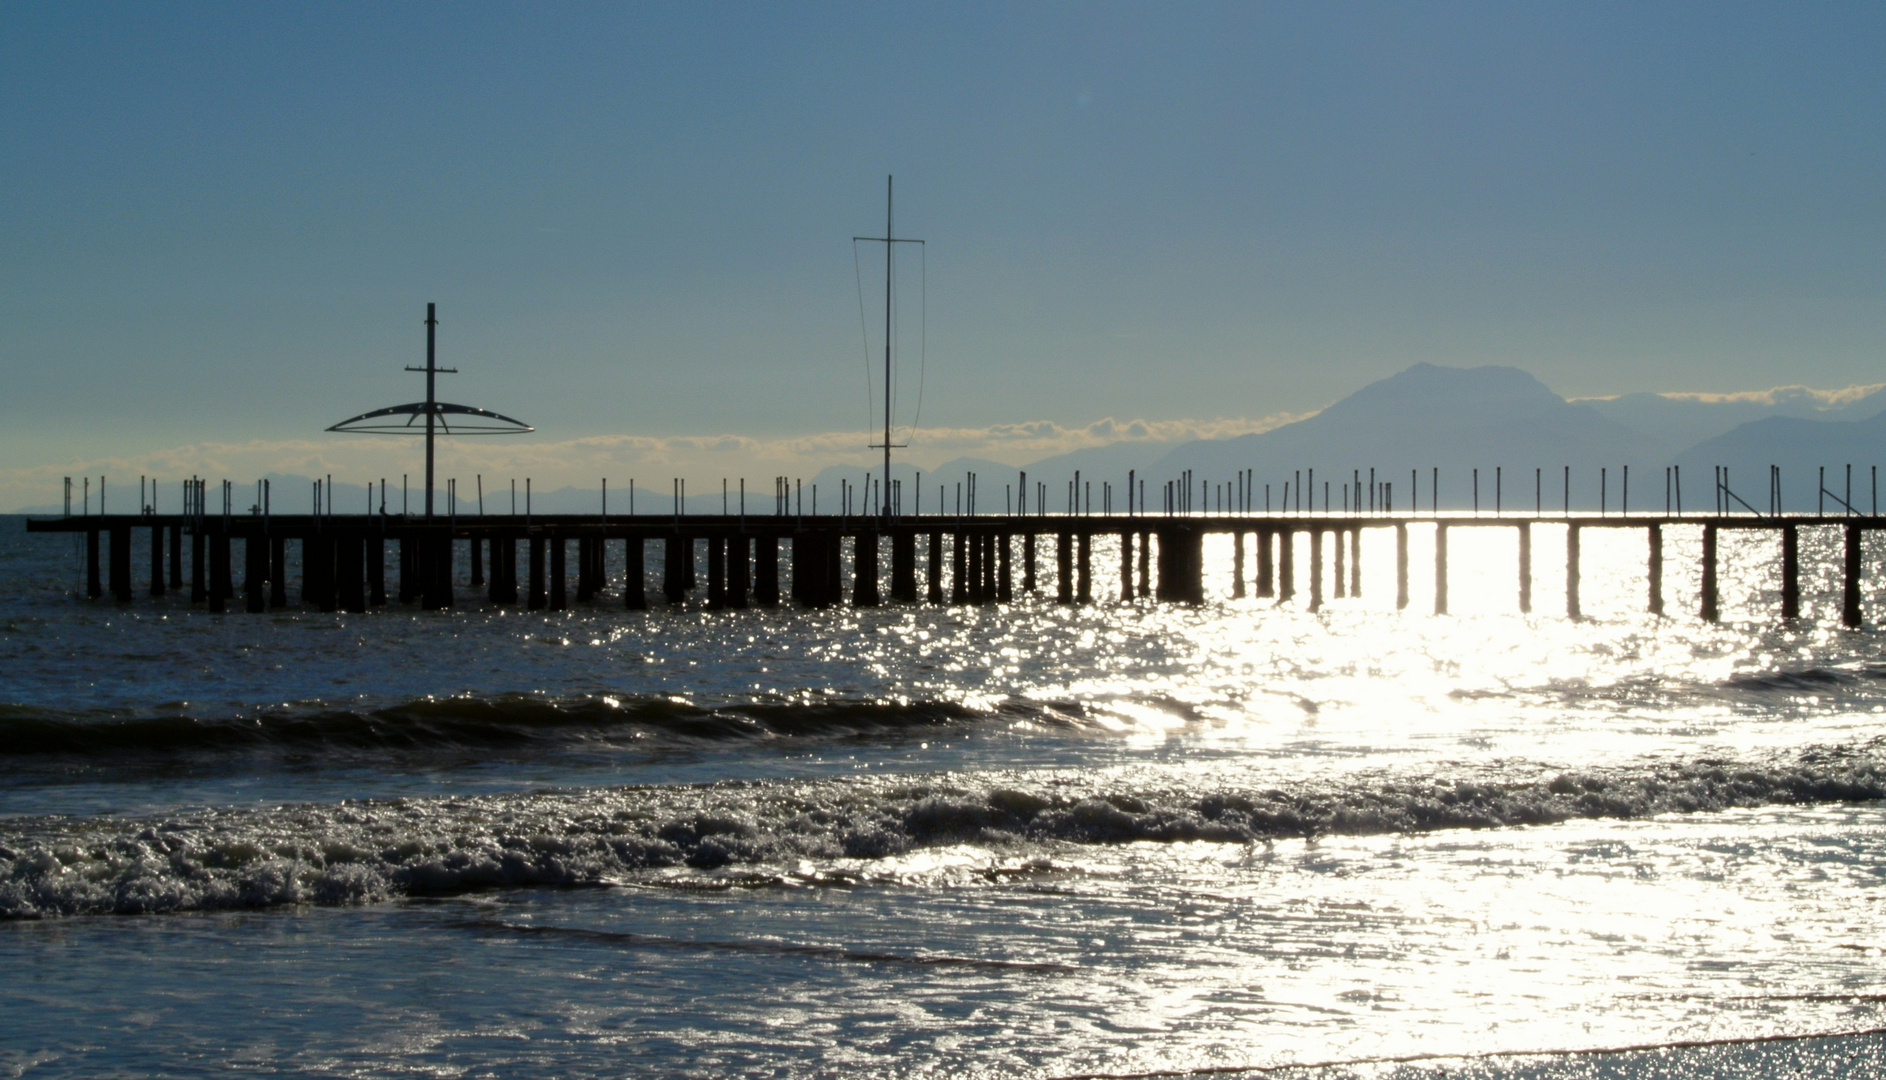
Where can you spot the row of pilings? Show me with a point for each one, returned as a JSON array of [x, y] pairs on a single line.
[[343, 560]]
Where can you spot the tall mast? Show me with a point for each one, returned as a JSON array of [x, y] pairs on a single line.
[[432, 370], [889, 240], [890, 245]]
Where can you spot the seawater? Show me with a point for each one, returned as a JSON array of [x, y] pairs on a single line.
[[1021, 840]]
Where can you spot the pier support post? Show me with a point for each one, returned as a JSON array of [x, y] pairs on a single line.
[[93, 590], [635, 573], [1355, 561], [1064, 567], [1340, 578], [157, 560], [477, 560], [934, 587], [1572, 570], [1286, 565], [1237, 564], [121, 563], [408, 570], [1525, 567], [834, 570], [1440, 569], [1850, 615], [1028, 563], [1790, 572], [1266, 573], [1401, 566], [1316, 569], [278, 573], [559, 573], [176, 556], [350, 572], [219, 572], [904, 566], [766, 570], [1085, 569], [1656, 568], [978, 591], [677, 566], [438, 579], [959, 568], [199, 585], [1145, 564], [864, 570], [1711, 606], [1126, 566], [585, 571], [536, 600], [738, 571], [375, 557], [1005, 569], [253, 568], [716, 573]]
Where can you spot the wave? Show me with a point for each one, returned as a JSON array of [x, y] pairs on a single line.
[[359, 852], [509, 721]]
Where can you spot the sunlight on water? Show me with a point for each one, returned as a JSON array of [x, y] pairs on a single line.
[[1025, 839]]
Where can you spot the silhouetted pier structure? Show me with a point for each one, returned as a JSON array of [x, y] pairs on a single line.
[[341, 562]]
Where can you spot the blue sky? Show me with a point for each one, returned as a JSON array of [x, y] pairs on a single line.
[[221, 223]]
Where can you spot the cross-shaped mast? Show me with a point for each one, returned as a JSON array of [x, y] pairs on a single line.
[[890, 241]]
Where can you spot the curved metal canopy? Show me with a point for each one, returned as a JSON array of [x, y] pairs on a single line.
[[473, 421]]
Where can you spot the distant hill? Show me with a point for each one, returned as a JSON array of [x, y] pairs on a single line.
[[1801, 448], [1683, 420], [1456, 419]]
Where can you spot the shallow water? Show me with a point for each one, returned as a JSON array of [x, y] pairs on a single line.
[[1019, 840]]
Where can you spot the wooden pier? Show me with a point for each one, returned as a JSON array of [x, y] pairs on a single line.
[[342, 560]]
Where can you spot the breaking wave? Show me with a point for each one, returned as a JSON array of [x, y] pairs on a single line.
[[359, 852]]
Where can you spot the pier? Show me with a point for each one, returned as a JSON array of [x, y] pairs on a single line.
[[340, 562]]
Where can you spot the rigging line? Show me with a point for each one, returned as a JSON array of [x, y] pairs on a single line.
[[857, 273], [923, 333]]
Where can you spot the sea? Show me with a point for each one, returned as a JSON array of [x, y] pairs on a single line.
[[1124, 839]]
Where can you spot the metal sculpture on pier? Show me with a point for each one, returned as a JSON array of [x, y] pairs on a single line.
[[454, 419]]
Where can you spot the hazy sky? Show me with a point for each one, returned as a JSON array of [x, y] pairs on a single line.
[[221, 224]]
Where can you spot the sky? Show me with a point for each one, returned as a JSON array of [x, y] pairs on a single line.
[[221, 223]]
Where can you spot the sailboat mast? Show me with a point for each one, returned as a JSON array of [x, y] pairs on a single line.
[[432, 371], [889, 245]]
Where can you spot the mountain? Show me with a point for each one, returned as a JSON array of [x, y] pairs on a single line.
[[1801, 448], [1687, 419], [1427, 417]]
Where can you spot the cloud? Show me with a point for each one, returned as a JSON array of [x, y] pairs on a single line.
[[1777, 395], [650, 461]]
